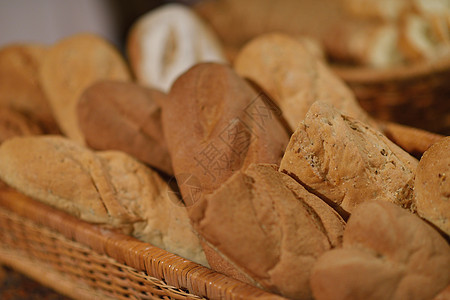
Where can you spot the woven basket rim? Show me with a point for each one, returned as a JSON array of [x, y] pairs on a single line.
[[362, 74], [158, 263]]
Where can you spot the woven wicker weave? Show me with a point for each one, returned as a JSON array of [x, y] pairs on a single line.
[[417, 95], [84, 261]]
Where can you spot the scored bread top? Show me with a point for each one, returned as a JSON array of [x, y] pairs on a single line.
[[269, 227], [216, 124], [109, 188]]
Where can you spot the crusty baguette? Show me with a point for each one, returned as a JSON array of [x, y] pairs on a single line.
[[294, 78], [216, 124], [70, 66], [115, 115], [108, 188]]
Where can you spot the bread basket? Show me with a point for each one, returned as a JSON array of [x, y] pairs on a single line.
[[417, 95], [84, 261]]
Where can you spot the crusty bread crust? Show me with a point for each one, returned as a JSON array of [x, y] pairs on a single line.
[[269, 227], [432, 185], [115, 115], [388, 253], [347, 162]]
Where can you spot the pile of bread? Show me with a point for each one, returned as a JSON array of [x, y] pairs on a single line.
[[374, 33], [284, 181]]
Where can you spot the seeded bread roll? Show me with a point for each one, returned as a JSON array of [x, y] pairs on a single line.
[[14, 124], [269, 227], [70, 66], [167, 41], [20, 89], [388, 253], [347, 162], [108, 188], [216, 124], [124, 116], [432, 185], [294, 77]]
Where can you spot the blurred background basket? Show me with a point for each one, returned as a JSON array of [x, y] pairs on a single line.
[[416, 95], [85, 261]]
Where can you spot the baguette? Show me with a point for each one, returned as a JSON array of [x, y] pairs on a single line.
[[216, 124], [294, 78], [106, 188]]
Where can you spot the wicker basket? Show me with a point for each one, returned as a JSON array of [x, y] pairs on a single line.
[[84, 261], [417, 95]]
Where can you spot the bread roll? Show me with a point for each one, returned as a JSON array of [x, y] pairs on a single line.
[[124, 116], [20, 89], [294, 78], [216, 124], [70, 66], [14, 124], [108, 188], [167, 41], [269, 227], [388, 253], [432, 185], [347, 162]]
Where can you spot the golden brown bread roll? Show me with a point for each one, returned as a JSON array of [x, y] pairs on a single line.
[[115, 115], [167, 41], [294, 78], [347, 162], [20, 89], [108, 188], [388, 253], [269, 228], [216, 124], [13, 123], [432, 185], [70, 66]]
